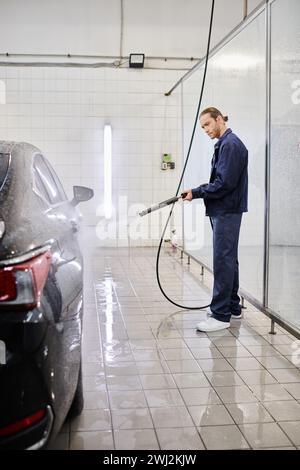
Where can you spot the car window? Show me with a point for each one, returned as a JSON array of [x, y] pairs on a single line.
[[57, 181], [4, 164], [46, 181], [40, 186]]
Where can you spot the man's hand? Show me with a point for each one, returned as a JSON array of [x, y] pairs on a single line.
[[188, 195]]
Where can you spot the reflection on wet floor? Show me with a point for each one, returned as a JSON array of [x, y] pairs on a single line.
[[151, 381]]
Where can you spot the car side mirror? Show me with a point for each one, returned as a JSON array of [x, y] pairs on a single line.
[[81, 194]]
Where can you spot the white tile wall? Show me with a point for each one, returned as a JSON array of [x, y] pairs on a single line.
[[63, 111]]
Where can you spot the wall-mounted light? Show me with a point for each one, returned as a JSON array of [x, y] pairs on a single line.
[[107, 172], [136, 61]]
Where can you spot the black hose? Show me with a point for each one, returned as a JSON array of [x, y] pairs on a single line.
[[184, 168]]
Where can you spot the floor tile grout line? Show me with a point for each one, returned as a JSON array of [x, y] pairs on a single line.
[[289, 438]]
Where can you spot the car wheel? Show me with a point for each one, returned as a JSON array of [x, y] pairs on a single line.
[[77, 403]]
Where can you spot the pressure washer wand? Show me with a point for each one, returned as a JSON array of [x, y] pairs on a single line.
[[156, 207]]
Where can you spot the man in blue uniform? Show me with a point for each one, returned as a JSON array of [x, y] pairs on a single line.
[[225, 198]]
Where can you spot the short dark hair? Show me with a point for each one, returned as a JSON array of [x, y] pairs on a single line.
[[214, 113]]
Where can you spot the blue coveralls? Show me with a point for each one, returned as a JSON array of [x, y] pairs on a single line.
[[226, 198]]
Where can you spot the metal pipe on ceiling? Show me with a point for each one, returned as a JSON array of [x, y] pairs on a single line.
[[86, 56]]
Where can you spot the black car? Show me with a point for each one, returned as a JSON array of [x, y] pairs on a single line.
[[41, 299]]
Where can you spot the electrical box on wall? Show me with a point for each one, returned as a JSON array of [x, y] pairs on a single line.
[[167, 162]]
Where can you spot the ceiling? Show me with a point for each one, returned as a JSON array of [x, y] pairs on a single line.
[[160, 28]]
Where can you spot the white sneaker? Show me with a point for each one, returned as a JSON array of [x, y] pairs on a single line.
[[211, 324]]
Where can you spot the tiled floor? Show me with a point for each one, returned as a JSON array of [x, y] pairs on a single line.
[[152, 382]]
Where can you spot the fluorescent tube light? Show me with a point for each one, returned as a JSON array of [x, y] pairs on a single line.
[[107, 172]]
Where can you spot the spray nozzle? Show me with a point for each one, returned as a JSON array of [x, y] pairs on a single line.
[[162, 204]]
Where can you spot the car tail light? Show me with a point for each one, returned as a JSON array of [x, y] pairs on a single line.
[[8, 290], [18, 426], [21, 285]]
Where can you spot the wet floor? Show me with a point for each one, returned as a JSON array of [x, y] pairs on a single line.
[[151, 381]]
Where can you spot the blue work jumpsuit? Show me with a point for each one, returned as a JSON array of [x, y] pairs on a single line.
[[226, 198]]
